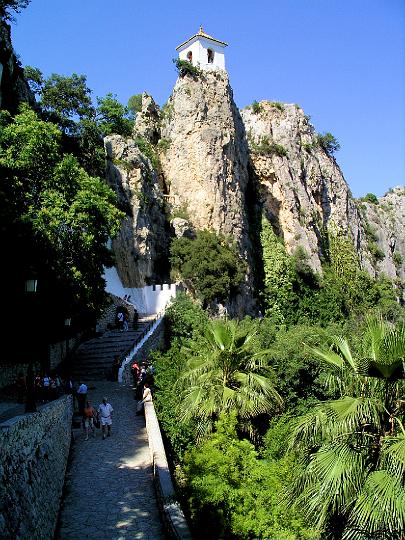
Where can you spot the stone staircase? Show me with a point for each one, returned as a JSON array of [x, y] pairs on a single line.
[[94, 358]]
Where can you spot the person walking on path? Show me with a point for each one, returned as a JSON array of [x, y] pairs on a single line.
[[89, 416], [146, 396], [81, 397], [105, 411]]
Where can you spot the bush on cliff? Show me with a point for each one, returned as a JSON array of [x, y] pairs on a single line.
[[209, 265]]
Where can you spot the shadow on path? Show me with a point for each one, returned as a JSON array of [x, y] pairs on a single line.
[[109, 491]]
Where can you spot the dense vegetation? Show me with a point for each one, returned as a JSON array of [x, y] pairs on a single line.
[[57, 213], [286, 426]]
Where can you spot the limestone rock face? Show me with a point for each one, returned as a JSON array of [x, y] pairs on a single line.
[[147, 122], [303, 189], [384, 224], [14, 88], [141, 248], [204, 159]]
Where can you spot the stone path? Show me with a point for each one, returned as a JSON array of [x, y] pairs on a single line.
[[109, 493]]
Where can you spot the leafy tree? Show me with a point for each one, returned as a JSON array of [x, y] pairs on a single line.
[[371, 198], [9, 6], [113, 116], [328, 142], [224, 373], [233, 494], [58, 216], [208, 264], [279, 273], [135, 104], [354, 446], [185, 319], [66, 99]]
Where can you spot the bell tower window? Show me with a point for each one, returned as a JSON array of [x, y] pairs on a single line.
[[190, 56], [210, 55]]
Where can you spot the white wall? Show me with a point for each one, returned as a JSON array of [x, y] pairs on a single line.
[[148, 300], [199, 47]]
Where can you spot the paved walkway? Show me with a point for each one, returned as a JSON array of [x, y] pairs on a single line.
[[109, 493]]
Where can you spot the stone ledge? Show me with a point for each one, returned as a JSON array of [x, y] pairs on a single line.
[[171, 513]]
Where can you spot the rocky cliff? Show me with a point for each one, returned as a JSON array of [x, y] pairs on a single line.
[[141, 248], [212, 167], [305, 194], [14, 88]]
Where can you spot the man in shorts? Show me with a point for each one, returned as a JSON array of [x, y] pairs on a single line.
[[105, 411]]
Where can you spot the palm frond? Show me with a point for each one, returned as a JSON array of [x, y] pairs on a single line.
[[380, 507]]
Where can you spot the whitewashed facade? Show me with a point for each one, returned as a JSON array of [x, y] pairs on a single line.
[[203, 51]]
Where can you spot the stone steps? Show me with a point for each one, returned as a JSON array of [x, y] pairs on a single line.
[[94, 358]]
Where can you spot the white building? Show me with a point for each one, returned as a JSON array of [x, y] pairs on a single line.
[[203, 51]]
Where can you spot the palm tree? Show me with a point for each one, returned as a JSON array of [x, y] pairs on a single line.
[[353, 447], [224, 374]]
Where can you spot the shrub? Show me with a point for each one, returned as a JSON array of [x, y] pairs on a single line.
[[180, 212], [256, 107], [164, 144], [184, 68], [277, 105], [268, 147], [397, 257], [376, 252], [328, 142], [209, 265], [371, 198], [148, 151]]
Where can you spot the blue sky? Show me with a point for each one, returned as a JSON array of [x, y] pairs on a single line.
[[342, 61]]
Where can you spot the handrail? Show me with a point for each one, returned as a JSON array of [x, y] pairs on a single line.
[[139, 342]]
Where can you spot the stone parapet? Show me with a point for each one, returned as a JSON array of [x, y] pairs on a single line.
[[171, 513], [153, 341], [34, 450]]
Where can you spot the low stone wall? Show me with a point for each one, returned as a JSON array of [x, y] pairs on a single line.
[[155, 342], [9, 372], [59, 351], [171, 513], [34, 450]]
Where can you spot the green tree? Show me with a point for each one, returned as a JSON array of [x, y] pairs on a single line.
[[135, 104], [113, 117], [225, 373], [208, 264], [9, 6], [328, 142], [354, 446], [279, 274], [66, 99], [59, 217], [233, 494]]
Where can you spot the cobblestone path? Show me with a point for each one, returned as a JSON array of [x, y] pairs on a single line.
[[109, 493]]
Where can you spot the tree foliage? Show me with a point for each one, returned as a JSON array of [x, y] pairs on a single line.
[[224, 373], [328, 143], [59, 216], [233, 494], [7, 7], [209, 264], [354, 446]]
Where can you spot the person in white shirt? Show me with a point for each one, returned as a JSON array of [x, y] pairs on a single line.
[[105, 411], [81, 397]]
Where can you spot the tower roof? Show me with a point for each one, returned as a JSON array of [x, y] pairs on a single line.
[[201, 34]]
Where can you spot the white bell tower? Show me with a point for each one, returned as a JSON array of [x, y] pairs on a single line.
[[203, 51]]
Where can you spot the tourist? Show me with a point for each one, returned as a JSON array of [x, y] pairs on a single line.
[[89, 417], [81, 397], [136, 318], [120, 320], [46, 382], [105, 411], [125, 323], [115, 368], [146, 396], [135, 372]]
